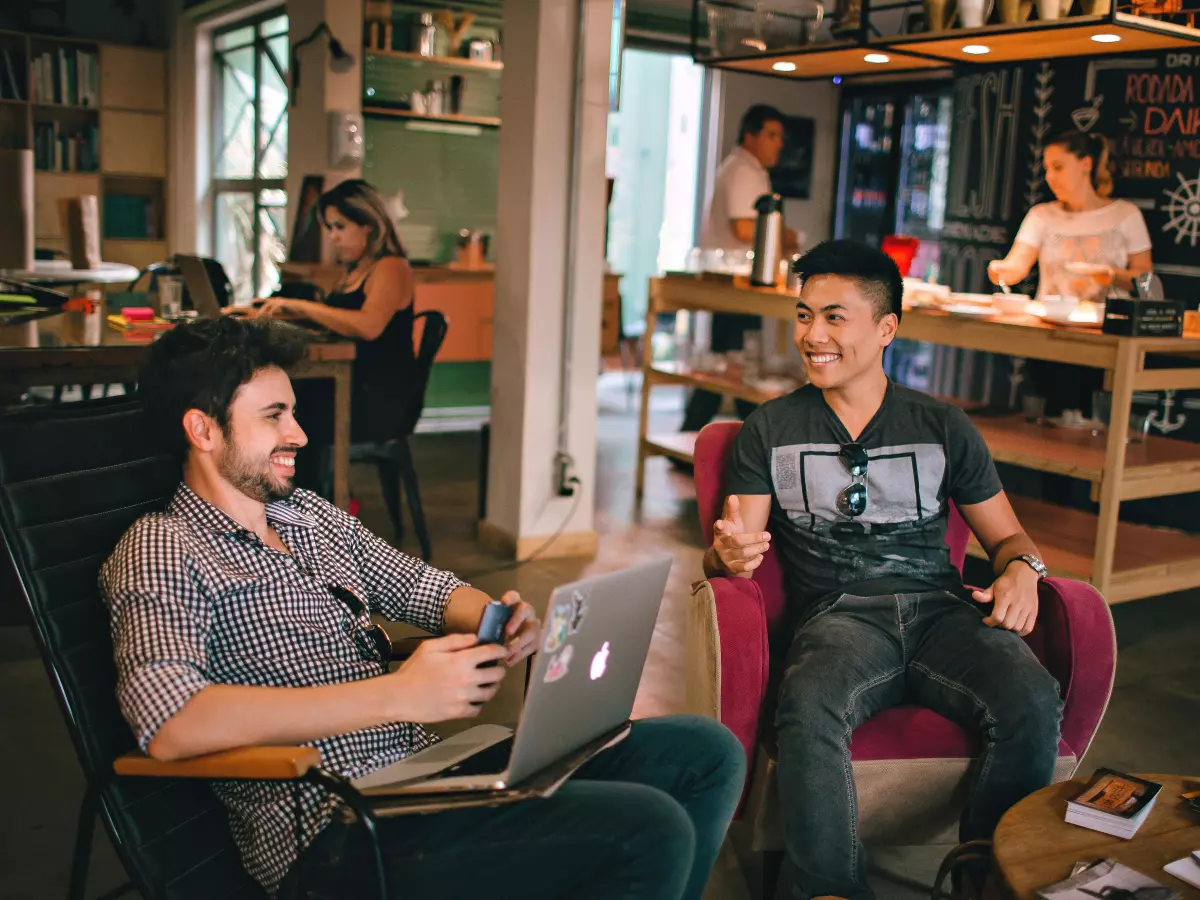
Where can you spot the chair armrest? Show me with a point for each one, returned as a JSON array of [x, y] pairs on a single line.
[[744, 656], [1076, 641], [256, 763]]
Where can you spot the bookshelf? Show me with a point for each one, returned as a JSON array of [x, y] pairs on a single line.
[[95, 116]]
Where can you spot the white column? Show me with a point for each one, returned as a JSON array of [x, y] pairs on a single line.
[[532, 253], [321, 91]]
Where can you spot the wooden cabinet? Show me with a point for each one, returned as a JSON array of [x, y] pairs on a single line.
[[132, 78], [610, 317], [133, 143], [467, 306], [49, 188]]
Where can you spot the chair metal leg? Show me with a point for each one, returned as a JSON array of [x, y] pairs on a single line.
[[408, 474], [389, 484], [84, 831]]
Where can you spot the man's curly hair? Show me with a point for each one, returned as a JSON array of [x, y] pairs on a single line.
[[202, 364]]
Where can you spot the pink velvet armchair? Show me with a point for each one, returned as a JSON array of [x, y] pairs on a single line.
[[910, 764]]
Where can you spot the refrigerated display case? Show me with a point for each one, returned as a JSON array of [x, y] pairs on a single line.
[[892, 179], [924, 173], [867, 169]]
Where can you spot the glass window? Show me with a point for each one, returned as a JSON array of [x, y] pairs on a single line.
[[250, 61]]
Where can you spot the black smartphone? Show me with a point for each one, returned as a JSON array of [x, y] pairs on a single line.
[[491, 624]]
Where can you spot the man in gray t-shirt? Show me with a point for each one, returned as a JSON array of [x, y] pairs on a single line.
[[852, 477]]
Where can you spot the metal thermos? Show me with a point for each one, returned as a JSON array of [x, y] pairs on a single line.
[[768, 240]]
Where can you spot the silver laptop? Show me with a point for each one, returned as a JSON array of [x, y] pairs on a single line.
[[590, 658], [199, 285]]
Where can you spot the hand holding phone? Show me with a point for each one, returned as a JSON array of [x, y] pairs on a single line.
[[491, 624]]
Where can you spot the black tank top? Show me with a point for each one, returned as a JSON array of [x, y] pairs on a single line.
[[383, 368]]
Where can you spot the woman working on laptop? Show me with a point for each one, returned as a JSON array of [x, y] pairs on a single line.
[[372, 305]]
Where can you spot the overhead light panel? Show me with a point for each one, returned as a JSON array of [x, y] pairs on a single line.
[[1106, 38], [977, 49], [784, 67], [877, 58]]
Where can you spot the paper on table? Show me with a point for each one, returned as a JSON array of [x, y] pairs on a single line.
[[1186, 869], [440, 756]]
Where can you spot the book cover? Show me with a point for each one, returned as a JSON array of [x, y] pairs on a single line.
[[1117, 794]]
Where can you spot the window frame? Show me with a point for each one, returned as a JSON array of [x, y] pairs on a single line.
[[255, 185]]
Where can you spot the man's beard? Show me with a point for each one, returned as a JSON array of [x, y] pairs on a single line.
[[253, 477]]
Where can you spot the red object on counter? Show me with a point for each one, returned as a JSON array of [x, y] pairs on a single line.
[[137, 313], [902, 250]]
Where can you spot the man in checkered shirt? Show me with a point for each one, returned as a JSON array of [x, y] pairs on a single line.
[[241, 616]]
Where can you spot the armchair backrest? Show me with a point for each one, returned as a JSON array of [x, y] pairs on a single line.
[[714, 445], [72, 480]]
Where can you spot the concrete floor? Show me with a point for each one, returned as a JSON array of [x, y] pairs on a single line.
[[1151, 724]]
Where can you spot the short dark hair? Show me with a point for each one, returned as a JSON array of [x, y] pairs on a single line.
[[755, 119], [874, 271], [201, 364]]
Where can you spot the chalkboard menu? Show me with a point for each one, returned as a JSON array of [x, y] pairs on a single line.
[[1146, 104]]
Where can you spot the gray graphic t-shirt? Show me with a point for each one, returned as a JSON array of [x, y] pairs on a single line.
[[921, 453]]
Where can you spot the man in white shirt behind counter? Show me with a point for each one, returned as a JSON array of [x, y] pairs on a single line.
[[741, 179]]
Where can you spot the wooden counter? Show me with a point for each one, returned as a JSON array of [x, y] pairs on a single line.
[[1123, 561]]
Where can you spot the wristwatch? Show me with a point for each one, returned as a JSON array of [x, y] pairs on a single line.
[[1032, 561]]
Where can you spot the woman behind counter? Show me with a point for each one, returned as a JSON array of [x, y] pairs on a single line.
[[373, 305], [1082, 225]]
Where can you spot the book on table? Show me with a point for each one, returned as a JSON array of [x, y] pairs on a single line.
[[1113, 803]]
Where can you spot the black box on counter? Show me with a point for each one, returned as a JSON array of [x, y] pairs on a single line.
[[1143, 318]]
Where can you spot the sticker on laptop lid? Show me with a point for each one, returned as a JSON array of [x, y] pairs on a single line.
[[559, 665], [557, 628], [578, 611]]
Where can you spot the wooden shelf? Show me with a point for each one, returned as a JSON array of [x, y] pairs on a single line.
[[451, 62], [484, 121], [827, 60], [65, 107], [1069, 36], [1157, 467], [679, 445], [728, 383], [1149, 561]]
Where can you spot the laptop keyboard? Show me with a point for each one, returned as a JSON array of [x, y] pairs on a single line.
[[490, 761]]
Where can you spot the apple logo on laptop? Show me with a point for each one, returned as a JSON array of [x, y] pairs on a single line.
[[600, 662]]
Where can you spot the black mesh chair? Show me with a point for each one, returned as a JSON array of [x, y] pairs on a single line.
[[393, 456], [72, 480]]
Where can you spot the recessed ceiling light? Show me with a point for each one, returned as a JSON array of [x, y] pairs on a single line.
[[877, 58], [977, 49], [784, 67], [1106, 38]]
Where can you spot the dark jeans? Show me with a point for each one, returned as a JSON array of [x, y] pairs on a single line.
[[859, 655], [644, 819], [727, 332]]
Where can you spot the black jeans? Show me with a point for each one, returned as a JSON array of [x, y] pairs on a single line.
[[859, 655], [645, 820], [727, 332]]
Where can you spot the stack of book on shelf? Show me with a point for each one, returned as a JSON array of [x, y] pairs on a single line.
[[66, 78], [1113, 803], [56, 151]]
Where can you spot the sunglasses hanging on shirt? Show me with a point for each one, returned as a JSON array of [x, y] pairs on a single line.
[[852, 501], [380, 643]]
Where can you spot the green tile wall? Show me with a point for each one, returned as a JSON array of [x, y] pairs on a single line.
[[449, 183], [449, 180], [459, 384]]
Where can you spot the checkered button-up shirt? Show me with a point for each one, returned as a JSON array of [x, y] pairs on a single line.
[[196, 599]]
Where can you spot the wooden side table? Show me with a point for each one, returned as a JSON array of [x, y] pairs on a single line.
[[1033, 847]]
